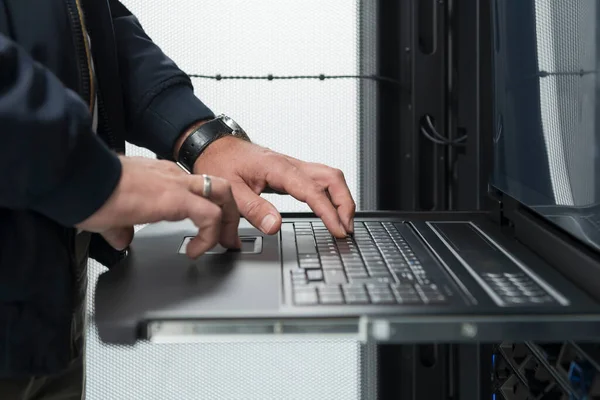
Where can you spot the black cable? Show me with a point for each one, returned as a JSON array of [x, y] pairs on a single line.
[[437, 138], [431, 138], [320, 77]]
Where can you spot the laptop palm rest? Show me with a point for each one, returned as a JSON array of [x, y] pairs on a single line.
[[156, 282]]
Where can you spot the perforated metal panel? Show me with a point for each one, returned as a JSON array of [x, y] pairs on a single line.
[[566, 38], [308, 119], [294, 370]]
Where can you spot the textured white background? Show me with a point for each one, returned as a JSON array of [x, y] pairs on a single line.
[[566, 39], [311, 120]]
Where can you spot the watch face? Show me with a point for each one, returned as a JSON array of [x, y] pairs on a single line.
[[237, 130]]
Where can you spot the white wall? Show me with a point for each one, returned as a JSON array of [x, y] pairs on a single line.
[[311, 120]]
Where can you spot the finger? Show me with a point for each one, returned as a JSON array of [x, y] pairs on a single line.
[[288, 177], [119, 238], [221, 195], [259, 212], [338, 190], [169, 167], [207, 217]]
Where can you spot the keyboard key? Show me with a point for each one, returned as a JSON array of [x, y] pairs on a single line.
[[306, 244], [351, 257], [357, 272], [306, 286], [380, 274], [382, 298], [327, 298], [408, 299], [305, 264], [354, 288], [311, 257], [333, 291], [356, 298], [431, 288], [378, 268], [305, 297], [334, 276], [404, 290], [378, 287], [373, 263], [516, 300], [533, 293], [330, 288], [359, 278], [355, 268], [314, 275], [435, 299], [541, 299], [332, 265]]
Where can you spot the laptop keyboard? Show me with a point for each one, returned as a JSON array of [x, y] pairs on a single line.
[[374, 266]]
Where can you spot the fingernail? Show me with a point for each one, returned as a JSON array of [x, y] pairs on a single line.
[[351, 225], [267, 223], [343, 229]]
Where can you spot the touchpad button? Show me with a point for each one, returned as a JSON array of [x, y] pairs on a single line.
[[250, 245]]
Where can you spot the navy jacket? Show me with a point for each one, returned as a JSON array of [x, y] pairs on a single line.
[[54, 172]]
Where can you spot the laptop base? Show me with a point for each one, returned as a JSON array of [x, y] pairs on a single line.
[[158, 294]]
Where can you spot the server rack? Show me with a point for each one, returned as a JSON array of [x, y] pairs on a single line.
[[441, 52]]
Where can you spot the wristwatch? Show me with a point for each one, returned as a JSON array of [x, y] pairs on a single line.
[[206, 134]]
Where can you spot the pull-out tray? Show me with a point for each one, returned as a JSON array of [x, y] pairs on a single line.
[[158, 294]]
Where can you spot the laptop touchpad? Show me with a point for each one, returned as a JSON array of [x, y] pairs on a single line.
[[250, 245]]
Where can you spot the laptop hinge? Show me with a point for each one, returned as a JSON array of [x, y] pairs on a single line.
[[572, 258], [496, 206]]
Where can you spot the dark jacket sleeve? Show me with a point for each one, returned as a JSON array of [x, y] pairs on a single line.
[[49, 156], [159, 98]]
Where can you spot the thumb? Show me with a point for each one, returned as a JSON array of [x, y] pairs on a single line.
[[119, 238], [259, 212]]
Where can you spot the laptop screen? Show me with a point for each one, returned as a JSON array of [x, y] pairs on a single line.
[[547, 110]]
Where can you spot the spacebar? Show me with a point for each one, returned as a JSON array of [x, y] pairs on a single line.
[[306, 244]]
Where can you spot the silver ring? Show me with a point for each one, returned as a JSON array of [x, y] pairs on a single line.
[[207, 189]]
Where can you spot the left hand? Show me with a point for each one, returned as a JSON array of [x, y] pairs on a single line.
[[250, 169]]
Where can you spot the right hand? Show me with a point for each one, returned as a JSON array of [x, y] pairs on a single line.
[[154, 190]]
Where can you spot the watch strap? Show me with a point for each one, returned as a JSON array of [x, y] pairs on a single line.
[[198, 140]]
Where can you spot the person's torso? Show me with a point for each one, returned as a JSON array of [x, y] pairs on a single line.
[[41, 283], [51, 31]]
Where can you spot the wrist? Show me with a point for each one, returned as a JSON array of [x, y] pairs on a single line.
[[184, 135], [215, 150], [206, 136]]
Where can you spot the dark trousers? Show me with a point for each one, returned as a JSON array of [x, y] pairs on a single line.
[[67, 385], [70, 383]]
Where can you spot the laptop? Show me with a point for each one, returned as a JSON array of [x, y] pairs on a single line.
[[515, 272]]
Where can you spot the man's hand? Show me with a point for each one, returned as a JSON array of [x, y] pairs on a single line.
[[152, 191], [250, 169]]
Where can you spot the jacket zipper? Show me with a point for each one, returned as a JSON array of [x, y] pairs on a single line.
[[82, 50], [104, 127], [86, 91], [86, 78]]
